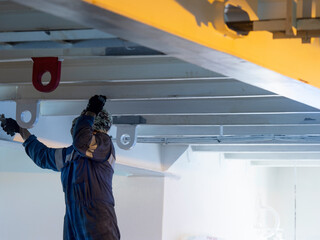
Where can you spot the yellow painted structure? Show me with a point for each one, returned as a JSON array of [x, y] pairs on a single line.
[[192, 20]]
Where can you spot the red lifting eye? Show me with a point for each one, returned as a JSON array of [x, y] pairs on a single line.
[[41, 65]]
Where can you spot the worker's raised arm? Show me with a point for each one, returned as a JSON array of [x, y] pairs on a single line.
[[87, 139], [82, 133], [41, 155]]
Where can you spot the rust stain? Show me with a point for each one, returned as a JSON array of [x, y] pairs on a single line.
[[304, 81]]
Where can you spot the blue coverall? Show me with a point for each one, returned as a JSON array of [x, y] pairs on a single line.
[[86, 175]]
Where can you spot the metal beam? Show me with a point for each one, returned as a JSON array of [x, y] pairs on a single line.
[[152, 90], [293, 120], [299, 129], [263, 148], [53, 35], [281, 163], [279, 25], [291, 24], [183, 107], [274, 156], [270, 10], [211, 50], [170, 131], [94, 43], [31, 20], [306, 8], [113, 69], [223, 132], [237, 141], [22, 54], [239, 120]]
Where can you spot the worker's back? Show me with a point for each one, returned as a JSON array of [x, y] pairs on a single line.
[[85, 179]]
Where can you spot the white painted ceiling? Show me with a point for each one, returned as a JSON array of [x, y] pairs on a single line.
[[173, 102]]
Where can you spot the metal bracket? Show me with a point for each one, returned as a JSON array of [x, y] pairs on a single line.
[[291, 21], [41, 65], [219, 20], [27, 112], [132, 120], [126, 136]]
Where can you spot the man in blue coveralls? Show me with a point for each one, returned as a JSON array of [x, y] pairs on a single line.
[[86, 172]]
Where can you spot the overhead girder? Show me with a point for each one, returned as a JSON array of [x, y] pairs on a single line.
[[293, 119], [208, 116], [258, 148], [226, 106], [225, 131], [160, 90], [199, 97], [19, 18], [30, 33], [280, 118], [274, 156], [25, 54], [186, 31], [57, 44], [53, 35], [102, 70], [172, 90]]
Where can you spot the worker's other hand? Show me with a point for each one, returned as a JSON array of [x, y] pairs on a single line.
[[10, 126], [96, 103]]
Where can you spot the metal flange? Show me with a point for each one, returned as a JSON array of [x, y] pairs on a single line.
[[218, 20], [126, 136], [41, 65], [27, 112]]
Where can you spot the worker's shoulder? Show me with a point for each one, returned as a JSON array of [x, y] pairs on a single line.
[[103, 137], [68, 150]]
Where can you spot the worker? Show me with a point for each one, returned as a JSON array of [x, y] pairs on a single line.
[[86, 172]]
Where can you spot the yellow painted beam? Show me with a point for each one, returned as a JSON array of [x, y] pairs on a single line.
[[185, 29], [193, 20]]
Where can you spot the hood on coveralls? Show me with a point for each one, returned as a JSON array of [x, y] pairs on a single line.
[[102, 122]]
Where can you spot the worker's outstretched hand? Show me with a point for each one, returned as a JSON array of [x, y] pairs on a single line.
[[96, 103], [10, 126]]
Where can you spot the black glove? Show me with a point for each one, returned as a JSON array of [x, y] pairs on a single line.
[[10, 126], [96, 103]]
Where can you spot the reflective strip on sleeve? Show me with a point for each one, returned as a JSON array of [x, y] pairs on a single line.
[[58, 158], [93, 146], [69, 157]]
